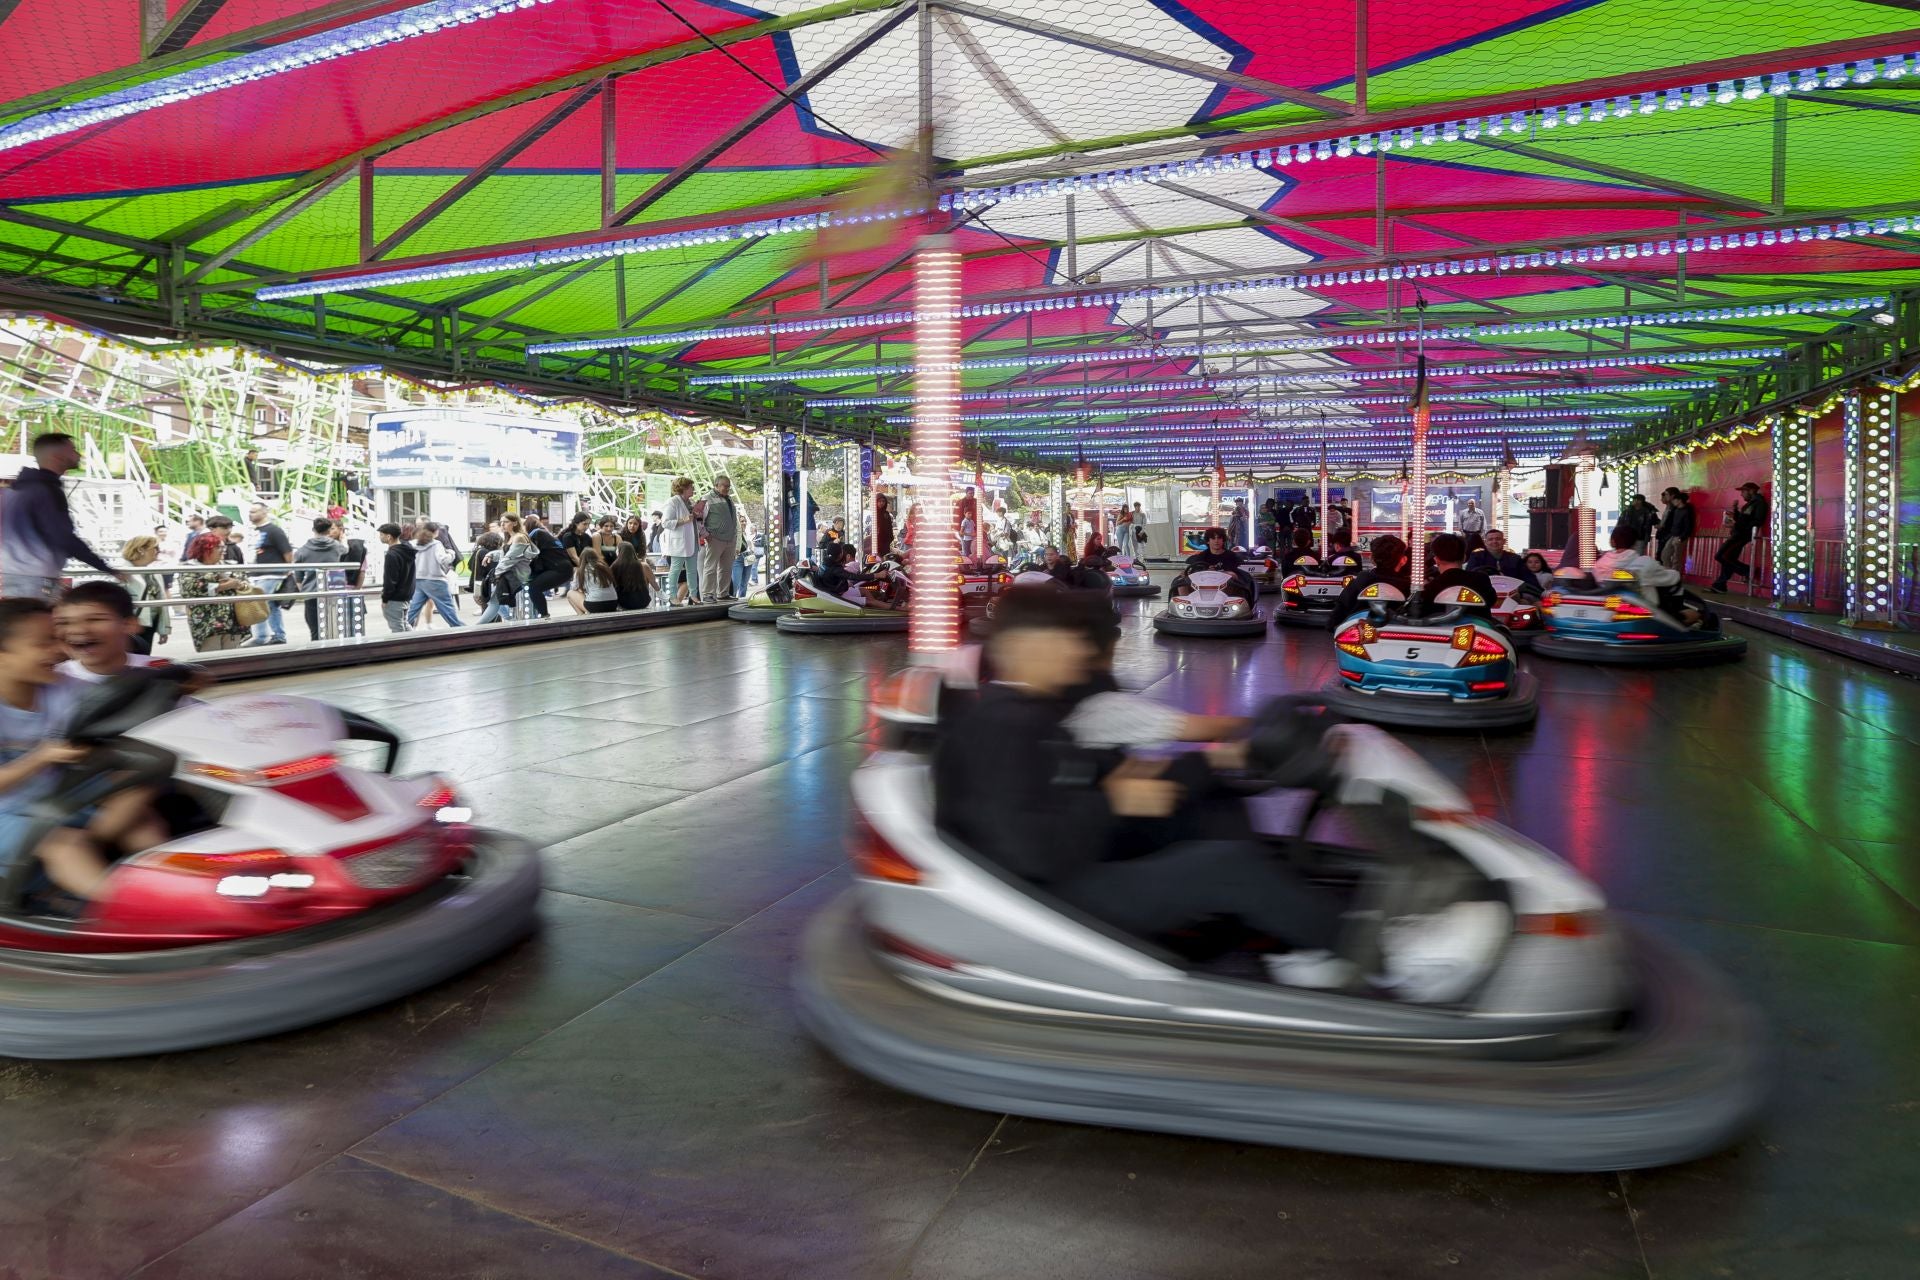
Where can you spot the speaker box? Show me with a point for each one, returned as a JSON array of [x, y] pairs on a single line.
[[1560, 490], [1547, 530]]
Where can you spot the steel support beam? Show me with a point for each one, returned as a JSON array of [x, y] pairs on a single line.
[[485, 169], [293, 210], [176, 32], [1719, 199], [767, 111], [1166, 62]]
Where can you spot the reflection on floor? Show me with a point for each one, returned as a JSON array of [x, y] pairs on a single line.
[[628, 1094]]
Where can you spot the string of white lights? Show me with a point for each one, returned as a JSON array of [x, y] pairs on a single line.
[[1497, 264], [1530, 123], [258, 64], [1195, 386], [1254, 406]]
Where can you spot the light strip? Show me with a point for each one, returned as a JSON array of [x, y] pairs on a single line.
[[1498, 264], [1512, 124], [1515, 124], [933, 622], [1144, 355], [1197, 385], [1513, 415], [1793, 511], [1869, 443], [244, 68]]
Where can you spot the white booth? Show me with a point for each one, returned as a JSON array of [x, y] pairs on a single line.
[[464, 468]]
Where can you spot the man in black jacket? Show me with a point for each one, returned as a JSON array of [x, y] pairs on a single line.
[[396, 578], [36, 528], [1010, 785], [552, 566], [1676, 528], [1748, 519], [1391, 567], [1493, 559]]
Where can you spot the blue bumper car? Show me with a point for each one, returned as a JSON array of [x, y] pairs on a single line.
[[1619, 623], [1130, 579], [1453, 669]]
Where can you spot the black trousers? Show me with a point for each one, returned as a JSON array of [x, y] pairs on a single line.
[[1732, 561], [1200, 878], [544, 581]]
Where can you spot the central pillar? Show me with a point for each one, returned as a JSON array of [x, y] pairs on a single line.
[[934, 613]]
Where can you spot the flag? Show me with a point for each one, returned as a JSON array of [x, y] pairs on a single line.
[[1420, 397], [1507, 461], [1219, 468]]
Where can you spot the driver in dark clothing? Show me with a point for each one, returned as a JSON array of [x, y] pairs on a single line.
[[1449, 556], [1218, 555], [1340, 553], [1009, 783], [1391, 566]]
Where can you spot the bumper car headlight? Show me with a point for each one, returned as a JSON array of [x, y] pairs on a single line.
[[1181, 609], [1234, 609]]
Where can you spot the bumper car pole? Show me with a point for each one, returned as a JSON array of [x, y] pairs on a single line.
[[933, 626]]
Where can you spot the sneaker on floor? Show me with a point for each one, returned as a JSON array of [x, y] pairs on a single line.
[[1318, 970], [1437, 958]]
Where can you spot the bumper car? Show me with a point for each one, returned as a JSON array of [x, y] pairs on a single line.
[[1309, 592], [1211, 603], [1262, 567], [1518, 610], [294, 888], [1580, 1043], [770, 602], [1615, 622], [1130, 579], [980, 581], [820, 612], [1455, 669]]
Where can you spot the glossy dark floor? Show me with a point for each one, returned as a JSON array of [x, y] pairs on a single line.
[[628, 1094]]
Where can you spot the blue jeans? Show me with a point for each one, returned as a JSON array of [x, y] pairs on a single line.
[[274, 624], [742, 575], [437, 591], [687, 567]]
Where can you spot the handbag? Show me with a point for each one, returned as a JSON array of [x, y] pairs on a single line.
[[248, 612]]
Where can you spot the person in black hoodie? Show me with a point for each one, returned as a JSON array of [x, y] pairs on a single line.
[[321, 548], [1217, 555], [1391, 566], [36, 528], [552, 566], [396, 577], [1744, 523], [1449, 558], [1009, 783]]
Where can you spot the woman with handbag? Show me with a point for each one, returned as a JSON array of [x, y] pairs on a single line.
[[217, 626]]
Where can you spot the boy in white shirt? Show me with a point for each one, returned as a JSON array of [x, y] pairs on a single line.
[[1650, 576], [93, 623]]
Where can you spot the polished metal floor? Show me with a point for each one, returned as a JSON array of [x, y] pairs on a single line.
[[628, 1095]]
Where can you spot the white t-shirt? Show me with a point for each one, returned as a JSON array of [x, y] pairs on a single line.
[[71, 667], [1649, 574], [679, 539], [1123, 719]]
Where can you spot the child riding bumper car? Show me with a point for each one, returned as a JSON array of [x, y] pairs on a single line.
[[1217, 604], [1452, 668], [1309, 591], [1618, 621], [1576, 1042], [290, 888], [829, 600]]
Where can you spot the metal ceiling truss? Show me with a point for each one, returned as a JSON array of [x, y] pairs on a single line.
[[464, 341]]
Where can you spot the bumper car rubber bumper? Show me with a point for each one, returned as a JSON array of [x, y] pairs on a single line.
[[117, 1006], [744, 612], [1302, 618], [1680, 1082], [1404, 711], [1211, 628], [826, 624], [1713, 647], [1523, 640], [1143, 591]]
